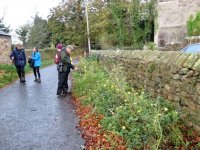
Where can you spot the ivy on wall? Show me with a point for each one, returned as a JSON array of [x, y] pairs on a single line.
[[193, 25]]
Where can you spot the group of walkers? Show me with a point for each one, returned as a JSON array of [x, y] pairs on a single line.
[[18, 57], [62, 59]]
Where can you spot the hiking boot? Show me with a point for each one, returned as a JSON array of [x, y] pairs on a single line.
[[23, 80], [35, 80], [59, 92], [65, 90], [69, 92], [64, 94], [39, 81]]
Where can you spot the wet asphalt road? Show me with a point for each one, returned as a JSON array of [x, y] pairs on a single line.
[[32, 117]]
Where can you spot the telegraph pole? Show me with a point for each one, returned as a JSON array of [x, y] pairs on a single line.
[[88, 28]]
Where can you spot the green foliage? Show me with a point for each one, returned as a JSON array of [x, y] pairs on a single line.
[[3, 26], [101, 25], [122, 23], [140, 120], [193, 25], [114, 23], [7, 74], [22, 33], [151, 67], [39, 35], [151, 46], [67, 24]]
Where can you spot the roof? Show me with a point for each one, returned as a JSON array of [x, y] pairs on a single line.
[[3, 33]]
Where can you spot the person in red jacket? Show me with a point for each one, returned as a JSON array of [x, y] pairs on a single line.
[[57, 56]]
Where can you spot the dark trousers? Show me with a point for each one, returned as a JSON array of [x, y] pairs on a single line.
[[63, 81], [20, 72], [36, 71]]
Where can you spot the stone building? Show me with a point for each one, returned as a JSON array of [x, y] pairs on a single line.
[[172, 20], [5, 48]]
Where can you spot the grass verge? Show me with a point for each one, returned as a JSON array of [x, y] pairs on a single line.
[[8, 73]]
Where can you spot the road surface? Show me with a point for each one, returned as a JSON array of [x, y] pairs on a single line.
[[32, 117]]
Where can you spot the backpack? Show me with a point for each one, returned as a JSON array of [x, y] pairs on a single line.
[[31, 62], [57, 58]]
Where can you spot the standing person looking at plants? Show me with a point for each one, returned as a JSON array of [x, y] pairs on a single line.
[[36, 56], [64, 71], [19, 59]]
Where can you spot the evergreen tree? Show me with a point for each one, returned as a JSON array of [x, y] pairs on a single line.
[[22, 33], [3, 26], [39, 34]]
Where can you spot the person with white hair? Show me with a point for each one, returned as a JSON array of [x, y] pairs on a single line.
[[19, 59], [64, 70]]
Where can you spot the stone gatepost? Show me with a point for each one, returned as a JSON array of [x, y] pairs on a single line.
[[171, 21]]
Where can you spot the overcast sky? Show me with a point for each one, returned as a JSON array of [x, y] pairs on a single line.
[[19, 12]]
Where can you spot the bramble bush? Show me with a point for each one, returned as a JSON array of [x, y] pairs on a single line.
[[140, 120]]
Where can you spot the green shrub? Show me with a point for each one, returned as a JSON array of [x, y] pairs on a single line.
[[140, 120], [193, 25], [151, 46]]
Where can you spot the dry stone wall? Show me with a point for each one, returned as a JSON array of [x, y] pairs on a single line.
[[172, 75], [179, 46], [5, 49]]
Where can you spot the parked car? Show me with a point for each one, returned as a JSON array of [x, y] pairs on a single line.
[[192, 48]]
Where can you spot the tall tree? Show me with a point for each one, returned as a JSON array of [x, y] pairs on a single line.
[[101, 25], [3, 26], [22, 33], [115, 23], [39, 34], [66, 23]]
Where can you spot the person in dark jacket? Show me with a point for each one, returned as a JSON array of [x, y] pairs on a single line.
[[19, 59], [36, 57], [65, 60]]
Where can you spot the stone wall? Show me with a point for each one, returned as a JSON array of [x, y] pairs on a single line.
[[172, 19], [46, 54], [172, 75], [5, 49], [179, 46]]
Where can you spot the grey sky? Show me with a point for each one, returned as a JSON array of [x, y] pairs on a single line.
[[19, 12]]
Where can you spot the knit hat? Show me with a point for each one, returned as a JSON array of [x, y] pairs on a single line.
[[59, 46]]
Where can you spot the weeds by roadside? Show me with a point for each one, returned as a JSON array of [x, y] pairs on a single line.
[[144, 123]]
